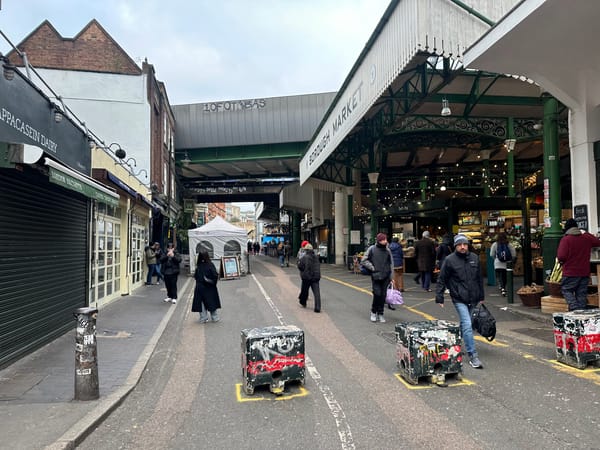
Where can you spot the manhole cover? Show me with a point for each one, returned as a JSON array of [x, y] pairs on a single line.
[[114, 334], [544, 334]]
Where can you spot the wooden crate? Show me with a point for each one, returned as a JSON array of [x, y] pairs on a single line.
[[551, 304]]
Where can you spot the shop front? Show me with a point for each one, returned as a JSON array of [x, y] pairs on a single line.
[[46, 195]]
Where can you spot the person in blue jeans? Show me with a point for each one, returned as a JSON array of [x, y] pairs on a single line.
[[461, 275]]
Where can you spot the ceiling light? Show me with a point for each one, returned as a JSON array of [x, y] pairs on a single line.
[[186, 159], [445, 108]]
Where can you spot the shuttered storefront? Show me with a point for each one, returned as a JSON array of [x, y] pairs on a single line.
[[43, 260]]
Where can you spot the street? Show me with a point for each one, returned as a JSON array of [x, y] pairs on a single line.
[[190, 393]]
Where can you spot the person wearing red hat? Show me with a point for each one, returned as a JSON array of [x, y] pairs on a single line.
[[379, 262], [301, 251], [573, 253]]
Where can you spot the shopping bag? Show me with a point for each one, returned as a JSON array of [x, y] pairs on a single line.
[[393, 296]]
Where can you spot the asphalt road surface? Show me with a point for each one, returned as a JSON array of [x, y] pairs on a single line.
[[190, 396]]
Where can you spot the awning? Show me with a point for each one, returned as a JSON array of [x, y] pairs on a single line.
[[105, 175], [75, 181], [117, 182]]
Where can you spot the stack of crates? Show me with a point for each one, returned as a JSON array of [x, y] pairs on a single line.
[[272, 356], [577, 337], [428, 349]]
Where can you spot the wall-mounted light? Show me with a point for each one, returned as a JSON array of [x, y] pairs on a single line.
[[446, 111], [118, 151], [8, 70], [510, 144], [131, 158], [57, 113]]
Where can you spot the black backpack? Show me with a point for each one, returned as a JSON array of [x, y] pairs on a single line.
[[483, 322], [503, 253]]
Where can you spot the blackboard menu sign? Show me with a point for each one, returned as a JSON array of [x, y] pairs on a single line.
[[230, 267], [580, 214]]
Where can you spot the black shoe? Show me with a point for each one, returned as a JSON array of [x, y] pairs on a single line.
[[302, 304], [393, 308], [317, 310]]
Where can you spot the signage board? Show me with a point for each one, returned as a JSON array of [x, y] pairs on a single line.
[[230, 267]]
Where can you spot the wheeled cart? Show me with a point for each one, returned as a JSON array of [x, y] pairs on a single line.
[[577, 337], [272, 356], [428, 349]]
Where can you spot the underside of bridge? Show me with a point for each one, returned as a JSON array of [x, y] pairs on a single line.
[[417, 152]]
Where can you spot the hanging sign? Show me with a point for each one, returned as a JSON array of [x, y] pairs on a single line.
[[580, 214]]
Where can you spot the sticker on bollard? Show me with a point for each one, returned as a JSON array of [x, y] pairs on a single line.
[[272, 355], [86, 355], [577, 337], [428, 349]]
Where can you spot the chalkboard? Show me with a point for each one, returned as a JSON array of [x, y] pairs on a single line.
[[230, 267], [580, 214]]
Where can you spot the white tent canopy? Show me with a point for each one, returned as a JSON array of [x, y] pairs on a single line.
[[219, 238]]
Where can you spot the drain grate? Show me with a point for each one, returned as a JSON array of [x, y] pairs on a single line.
[[388, 336]]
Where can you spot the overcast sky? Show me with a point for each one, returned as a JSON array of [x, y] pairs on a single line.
[[210, 50]]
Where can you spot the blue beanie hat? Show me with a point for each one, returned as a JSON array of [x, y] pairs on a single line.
[[460, 239]]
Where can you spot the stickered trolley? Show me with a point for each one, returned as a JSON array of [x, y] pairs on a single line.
[[428, 349], [272, 356]]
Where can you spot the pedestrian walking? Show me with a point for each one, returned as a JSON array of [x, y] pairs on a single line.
[[170, 262], [301, 250], [152, 253], [280, 254], [310, 274], [425, 257], [461, 275], [206, 294], [574, 252], [398, 259], [502, 252], [159, 253], [443, 250], [378, 262], [287, 252]]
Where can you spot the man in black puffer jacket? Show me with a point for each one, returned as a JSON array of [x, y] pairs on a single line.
[[461, 274], [379, 262], [310, 273]]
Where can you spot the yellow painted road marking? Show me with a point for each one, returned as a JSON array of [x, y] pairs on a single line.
[[585, 374], [356, 288], [463, 382], [257, 398]]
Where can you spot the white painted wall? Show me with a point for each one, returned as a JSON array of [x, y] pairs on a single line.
[[114, 107]]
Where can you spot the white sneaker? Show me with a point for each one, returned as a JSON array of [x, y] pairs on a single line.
[[174, 300], [167, 300], [373, 317], [381, 318]]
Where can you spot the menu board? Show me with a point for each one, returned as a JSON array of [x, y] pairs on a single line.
[[580, 214], [230, 266]]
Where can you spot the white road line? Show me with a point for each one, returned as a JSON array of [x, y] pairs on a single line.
[[343, 428]]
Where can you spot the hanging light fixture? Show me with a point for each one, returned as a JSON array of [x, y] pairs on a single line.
[[186, 159], [445, 108]]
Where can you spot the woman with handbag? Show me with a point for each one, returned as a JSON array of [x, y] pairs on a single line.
[[206, 295]]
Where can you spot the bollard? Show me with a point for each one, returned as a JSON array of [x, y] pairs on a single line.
[[509, 282], [86, 355]]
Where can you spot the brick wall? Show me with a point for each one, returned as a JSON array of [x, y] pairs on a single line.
[[92, 50]]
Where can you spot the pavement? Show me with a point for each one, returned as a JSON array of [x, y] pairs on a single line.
[[37, 408]]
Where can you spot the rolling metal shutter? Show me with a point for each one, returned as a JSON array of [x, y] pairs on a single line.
[[43, 261]]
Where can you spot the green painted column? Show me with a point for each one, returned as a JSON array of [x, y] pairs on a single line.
[[510, 158], [486, 185], [373, 176], [552, 196], [349, 190]]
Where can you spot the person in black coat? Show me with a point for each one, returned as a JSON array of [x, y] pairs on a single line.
[[206, 295], [310, 272], [170, 262]]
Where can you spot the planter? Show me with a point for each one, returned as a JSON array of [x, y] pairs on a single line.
[[532, 300], [553, 288]]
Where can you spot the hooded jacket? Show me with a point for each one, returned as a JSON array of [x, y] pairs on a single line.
[[461, 275], [309, 266], [574, 251]]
